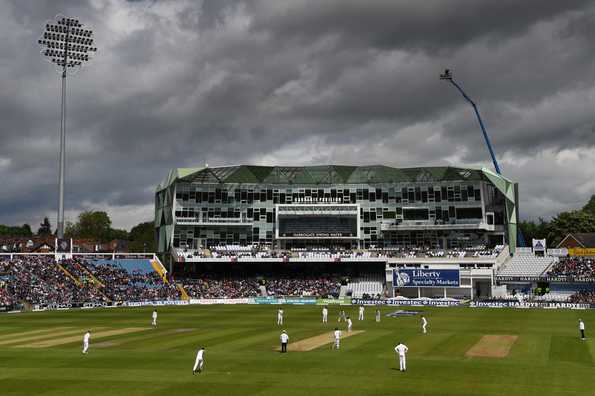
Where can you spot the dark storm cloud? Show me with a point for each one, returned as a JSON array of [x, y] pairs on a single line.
[[295, 82]]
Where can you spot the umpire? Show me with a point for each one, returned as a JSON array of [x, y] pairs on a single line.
[[581, 327], [284, 339]]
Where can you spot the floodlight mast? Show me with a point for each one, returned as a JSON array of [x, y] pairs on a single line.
[[447, 75], [68, 46]]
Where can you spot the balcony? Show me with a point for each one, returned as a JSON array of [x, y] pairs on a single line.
[[410, 225], [214, 221]]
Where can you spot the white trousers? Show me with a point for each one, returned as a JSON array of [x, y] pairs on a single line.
[[402, 363], [337, 343], [423, 327], [348, 328], [361, 316], [198, 364], [324, 318], [154, 323], [85, 347], [279, 320]]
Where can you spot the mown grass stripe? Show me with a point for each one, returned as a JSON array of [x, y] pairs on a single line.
[[68, 340], [36, 335]]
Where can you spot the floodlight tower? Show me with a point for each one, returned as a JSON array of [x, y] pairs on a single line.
[[447, 75], [67, 45]]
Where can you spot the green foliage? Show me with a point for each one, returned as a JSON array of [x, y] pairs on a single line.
[[569, 222], [142, 238], [563, 224], [15, 231], [45, 228], [590, 206], [95, 225]]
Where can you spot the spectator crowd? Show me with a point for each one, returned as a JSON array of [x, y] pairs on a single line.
[[211, 287], [574, 267]]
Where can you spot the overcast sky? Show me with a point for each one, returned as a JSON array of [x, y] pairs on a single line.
[[175, 84]]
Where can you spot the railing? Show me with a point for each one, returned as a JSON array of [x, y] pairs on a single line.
[[212, 220]]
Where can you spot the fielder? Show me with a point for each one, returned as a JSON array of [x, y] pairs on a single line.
[[199, 362], [342, 316], [424, 324], [349, 324], [279, 316], [337, 335], [324, 315], [401, 350], [154, 317], [284, 339], [86, 339], [581, 328], [361, 313], [377, 315]]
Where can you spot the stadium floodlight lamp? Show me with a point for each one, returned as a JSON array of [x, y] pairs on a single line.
[[68, 47]]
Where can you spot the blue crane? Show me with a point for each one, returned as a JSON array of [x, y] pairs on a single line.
[[447, 75]]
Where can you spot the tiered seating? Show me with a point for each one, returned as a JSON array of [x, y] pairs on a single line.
[[526, 265], [370, 284]]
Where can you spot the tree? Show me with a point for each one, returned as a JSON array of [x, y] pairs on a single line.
[[142, 237], [27, 230], [45, 228], [590, 206], [94, 225], [15, 231], [533, 230], [570, 222]]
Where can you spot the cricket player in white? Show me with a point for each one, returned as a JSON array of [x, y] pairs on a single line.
[[86, 339], [284, 338], [280, 317], [424, 324], [377, 315], [401, 350], [154, 316], [349, 324], [324, 315], [337, 336], [581, 328], [361, 313], [198, 363]]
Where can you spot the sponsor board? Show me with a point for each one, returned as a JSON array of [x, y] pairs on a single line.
[[154, 303], [421, 277], [403, 302], [285, 300], [226, 301], [581, 252], [529, 304], [266, 300], [333, 301], [561, 279]]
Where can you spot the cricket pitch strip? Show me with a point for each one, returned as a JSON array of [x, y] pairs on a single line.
[[494, 346], [308, 344]]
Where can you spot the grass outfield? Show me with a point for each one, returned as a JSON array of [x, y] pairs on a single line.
[[40, 353]]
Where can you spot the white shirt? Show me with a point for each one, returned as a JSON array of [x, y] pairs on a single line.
[[199, 354], [154, 314], [284, 338], [361, 309], [349, 322], [401, 349], [581, 325], [280, 313], [424, 321], [337, 334], [324, 311], [86, 337]]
